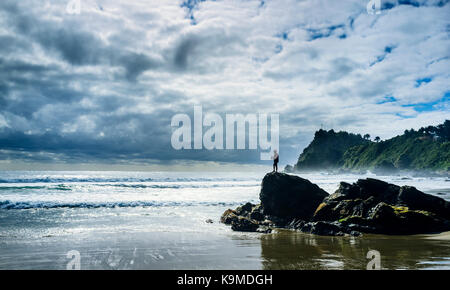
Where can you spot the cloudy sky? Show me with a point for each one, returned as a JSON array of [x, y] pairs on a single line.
[[102, 86]]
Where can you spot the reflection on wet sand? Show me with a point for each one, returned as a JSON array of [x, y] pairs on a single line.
[[293, 250]]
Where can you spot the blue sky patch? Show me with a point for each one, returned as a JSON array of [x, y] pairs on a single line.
[[380, 58], [430, 106], [387, 99], [419, 82], [322, 33]]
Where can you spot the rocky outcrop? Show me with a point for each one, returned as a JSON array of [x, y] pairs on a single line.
[[289, 196], [366, 206], [375, 206], [247, 218]]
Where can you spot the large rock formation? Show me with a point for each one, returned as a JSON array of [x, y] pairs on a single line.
[[372, 205], [289, 196], [367, 206]]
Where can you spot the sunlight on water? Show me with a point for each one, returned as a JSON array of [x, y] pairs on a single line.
[[156, 220]]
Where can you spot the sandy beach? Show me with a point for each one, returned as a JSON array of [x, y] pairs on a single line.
[[135, 220]]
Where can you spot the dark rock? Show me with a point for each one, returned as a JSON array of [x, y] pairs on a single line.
[[326, 229], [245, 209], [366, 206], [289, 196], [209, 221], [257, 213], [331, 210], [355, 233], [416, 222], [323, 228], [417, 200], [366, 188], [384, 214], [295, 224], [276, 221], [326, 211], [244, 224], [390, 219], [375, 206], [228, 217]]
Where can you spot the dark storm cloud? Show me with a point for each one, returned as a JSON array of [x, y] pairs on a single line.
[[43, 102], [193, 49], [104, 84], [27, 87], [149, 138], [184, 50], [10, 44], [76, 46], [135, 64]]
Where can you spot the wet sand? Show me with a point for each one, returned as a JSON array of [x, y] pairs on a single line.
[[171, 232], [292, 250], [228, 250]]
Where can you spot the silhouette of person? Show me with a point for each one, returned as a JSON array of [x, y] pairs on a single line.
[[275, 158]]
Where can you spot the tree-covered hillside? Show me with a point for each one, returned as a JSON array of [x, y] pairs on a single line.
[[327, 149], [427, 149]]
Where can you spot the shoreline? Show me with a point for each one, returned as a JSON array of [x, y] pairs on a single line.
[[177, 236], [437, 236]]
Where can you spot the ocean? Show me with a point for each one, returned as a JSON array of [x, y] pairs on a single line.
[[158, 220]]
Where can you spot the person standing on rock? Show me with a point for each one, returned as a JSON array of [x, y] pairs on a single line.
[[275, 158]]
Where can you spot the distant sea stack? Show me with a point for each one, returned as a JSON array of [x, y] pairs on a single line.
[[426, 150], [366, 206]]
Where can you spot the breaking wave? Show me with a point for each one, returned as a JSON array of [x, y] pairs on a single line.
[[67, 187], [6, 204], [115, 179]]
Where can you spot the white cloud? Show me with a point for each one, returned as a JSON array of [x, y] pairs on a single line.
[[313, 61]]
